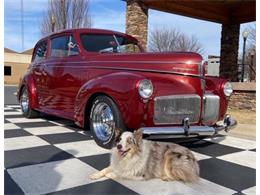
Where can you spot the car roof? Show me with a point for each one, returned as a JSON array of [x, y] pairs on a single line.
[[86, 30]]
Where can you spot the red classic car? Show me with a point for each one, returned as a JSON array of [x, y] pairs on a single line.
[[104, 80]]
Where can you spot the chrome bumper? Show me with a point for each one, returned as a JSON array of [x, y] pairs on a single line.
[[190, 131]]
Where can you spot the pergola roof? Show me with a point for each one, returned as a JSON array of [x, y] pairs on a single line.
[[220, 11]]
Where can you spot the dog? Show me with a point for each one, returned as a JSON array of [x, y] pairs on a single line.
[[137, 159]]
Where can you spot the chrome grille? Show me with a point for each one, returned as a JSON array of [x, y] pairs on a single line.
[[211, 109], [173, 109]]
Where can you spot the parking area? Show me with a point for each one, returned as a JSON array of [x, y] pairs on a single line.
[[52, 155]]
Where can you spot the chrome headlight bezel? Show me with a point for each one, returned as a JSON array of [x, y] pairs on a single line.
[[145, 88], [228, 89]]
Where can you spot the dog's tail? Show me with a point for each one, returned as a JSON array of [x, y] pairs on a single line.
[[181, 165]]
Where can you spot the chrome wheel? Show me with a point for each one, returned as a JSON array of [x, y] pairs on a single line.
[[103, 121], [24, 101]]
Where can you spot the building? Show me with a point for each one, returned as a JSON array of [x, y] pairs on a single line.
[[15, 65], [213, 65], [229, 13]]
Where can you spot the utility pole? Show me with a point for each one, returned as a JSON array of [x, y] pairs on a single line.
[[22, 26]]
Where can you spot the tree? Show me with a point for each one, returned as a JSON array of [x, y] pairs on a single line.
[[162, 40], [252, 36], [250, 53], [64, 14]]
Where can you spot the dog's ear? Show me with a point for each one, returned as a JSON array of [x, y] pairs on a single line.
[[118, 133], [138, 135]]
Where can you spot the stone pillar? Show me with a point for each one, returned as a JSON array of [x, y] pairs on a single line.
[[229, 51], [137, 21]]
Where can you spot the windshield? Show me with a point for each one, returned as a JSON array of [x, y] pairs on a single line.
[[103, 43]]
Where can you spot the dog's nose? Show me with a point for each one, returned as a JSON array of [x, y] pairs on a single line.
[[119, 146]]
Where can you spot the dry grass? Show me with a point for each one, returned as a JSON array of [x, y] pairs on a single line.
[[243, 116]]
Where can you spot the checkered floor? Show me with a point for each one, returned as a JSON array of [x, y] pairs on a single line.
[[51, 155]]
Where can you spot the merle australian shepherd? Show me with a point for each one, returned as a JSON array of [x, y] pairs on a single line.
[[137, 159]]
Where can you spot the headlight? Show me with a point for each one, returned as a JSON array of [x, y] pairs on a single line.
[[145, 88], [228, 89]]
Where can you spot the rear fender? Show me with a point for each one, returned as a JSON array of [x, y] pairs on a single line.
[[29, 83]]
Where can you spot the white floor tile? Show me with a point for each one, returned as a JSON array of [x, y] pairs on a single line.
[[7, 108], [82, 148], [157, 186], [250, 191], [14, 106], [25, 120], [61, 122], [52, 176], [244, 158], [48, 130], [200, 156], [10, 126], [234, 142], [17, 143], [12, 113]]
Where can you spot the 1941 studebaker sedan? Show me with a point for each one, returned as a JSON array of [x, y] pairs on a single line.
[[104, 80]]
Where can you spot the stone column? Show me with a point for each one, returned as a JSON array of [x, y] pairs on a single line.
[[137, 21], [229, 51]]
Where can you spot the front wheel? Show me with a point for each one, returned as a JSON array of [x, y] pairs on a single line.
[[27, 111], [105, 117]]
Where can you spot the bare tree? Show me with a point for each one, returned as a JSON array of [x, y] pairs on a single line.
[[161, 40], [64, 14], [252, 36], [251, 52]]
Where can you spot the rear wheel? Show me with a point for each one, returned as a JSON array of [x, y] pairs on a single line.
[[105, 117], [27, 111]]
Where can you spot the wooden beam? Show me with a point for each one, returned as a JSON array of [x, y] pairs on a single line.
[[220, 11]]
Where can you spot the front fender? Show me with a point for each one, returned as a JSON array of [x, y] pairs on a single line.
[[121, 87], [215, 85]]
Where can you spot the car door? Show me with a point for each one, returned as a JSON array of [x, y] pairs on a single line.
[[38, 62], [63, 80]]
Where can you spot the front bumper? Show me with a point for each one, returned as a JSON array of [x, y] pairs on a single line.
[[189, 131]]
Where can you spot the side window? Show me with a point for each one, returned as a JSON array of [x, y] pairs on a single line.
[[64, 46], [40, 52]]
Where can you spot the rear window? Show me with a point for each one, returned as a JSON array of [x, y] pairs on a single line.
[[64, 46], [40, 51]]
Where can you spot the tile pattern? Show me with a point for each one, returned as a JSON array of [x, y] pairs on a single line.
[[52, 155]]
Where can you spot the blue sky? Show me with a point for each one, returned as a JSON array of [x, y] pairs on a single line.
[[107, 14]]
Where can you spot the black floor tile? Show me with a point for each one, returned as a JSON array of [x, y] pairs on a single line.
[[64, 137], [238, 193], [36, 155], [98, 161], [10, 187], [228, 174], [253, 150], [210, 148], [12, 110], [16, 133], [6, 121], [106, 187], [35, 124], [14, 116]]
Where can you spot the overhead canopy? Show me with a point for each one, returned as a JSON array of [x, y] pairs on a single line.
[[220, 11]]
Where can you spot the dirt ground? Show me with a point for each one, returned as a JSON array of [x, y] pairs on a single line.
[[246, 127], [243, 116]]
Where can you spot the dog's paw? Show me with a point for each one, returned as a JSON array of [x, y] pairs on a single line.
[[111, 175], [95, 176]]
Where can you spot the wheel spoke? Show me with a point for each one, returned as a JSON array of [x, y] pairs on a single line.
[[103, 121]]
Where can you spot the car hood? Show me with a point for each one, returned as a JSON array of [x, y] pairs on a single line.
[[173, 62]]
